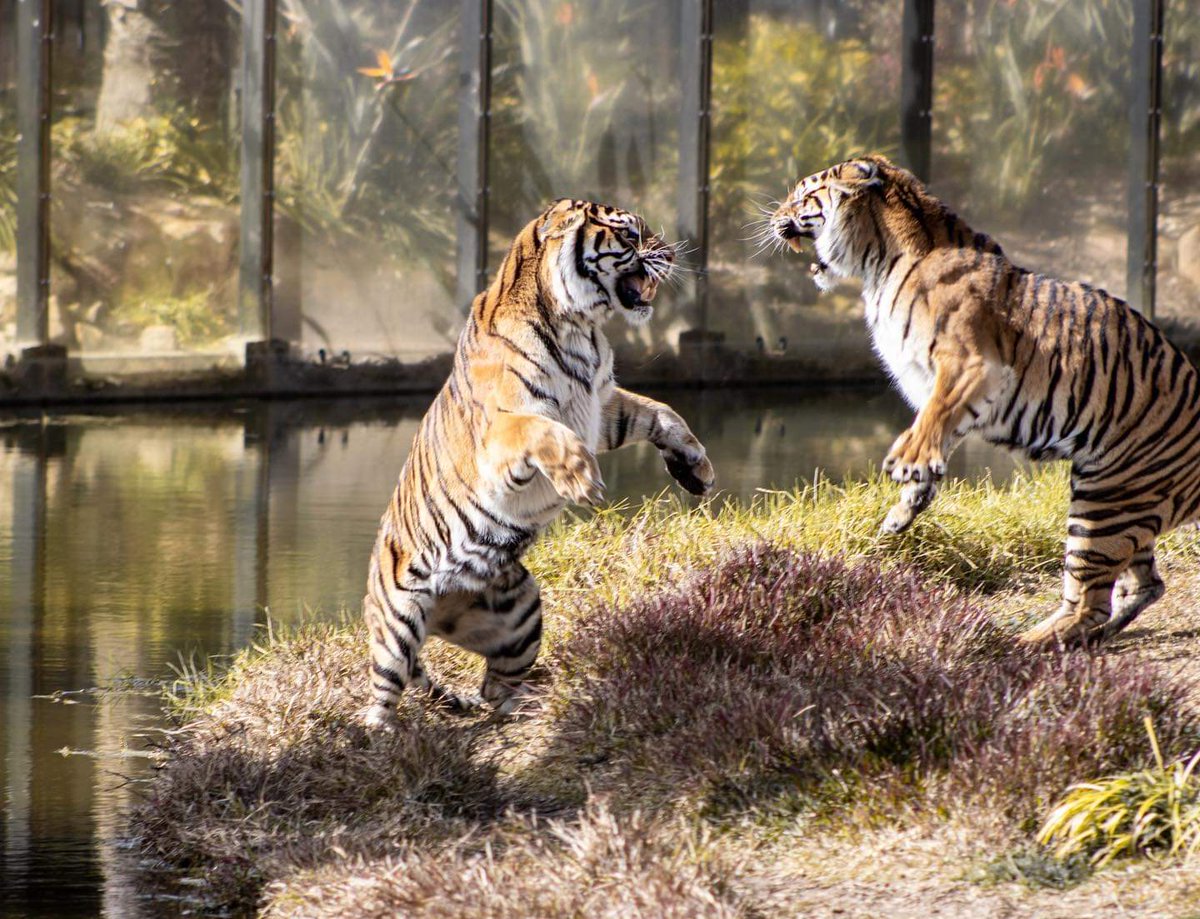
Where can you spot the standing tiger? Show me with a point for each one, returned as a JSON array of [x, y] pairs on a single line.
[[1058, 369], [510, 439]]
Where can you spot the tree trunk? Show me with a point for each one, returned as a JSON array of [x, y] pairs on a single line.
[[162, 55]]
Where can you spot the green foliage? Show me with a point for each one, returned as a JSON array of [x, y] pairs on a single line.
[[361, 158], [1154, 811], [583, 103], [192, 316], [171, 151], [1029, 91], [788, 100]]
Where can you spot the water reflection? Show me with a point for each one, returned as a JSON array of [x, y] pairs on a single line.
[[130, 538]]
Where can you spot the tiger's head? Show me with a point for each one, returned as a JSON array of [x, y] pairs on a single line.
[[858, 213], [598, 259]]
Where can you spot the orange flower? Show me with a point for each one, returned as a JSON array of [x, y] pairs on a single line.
[[385, 70], [565, 14], [1077, 86]]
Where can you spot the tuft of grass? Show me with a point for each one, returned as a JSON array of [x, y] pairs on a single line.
[[975, 535], [597, 865], [1035, 868], [274, 768], [1151, 811]]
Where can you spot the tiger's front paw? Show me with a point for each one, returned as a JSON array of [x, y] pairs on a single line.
[[690, 467], [574, 472], [911, 461]]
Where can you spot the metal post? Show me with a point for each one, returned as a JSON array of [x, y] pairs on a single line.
[[258, 162], [26, 599], [916, 87], [696, 27], [475, 93], [1145, 113], [33, 172]]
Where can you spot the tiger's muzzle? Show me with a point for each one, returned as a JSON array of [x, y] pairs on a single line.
[[636, 289]]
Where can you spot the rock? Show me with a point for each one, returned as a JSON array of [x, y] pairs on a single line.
[[92, 313], [59, 323], [91, 337], [158, 338], [1187, 255]]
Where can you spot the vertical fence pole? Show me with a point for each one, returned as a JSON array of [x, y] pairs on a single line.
[[33, 172], [1145, 114], [696, 27], [916, 87], [475, 91], [257, 168]]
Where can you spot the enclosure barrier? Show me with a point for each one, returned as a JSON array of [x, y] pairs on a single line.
[[496, 63]]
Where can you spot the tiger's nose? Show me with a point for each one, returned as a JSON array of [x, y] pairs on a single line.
[[787, 228]]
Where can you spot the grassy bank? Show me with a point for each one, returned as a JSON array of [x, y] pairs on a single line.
[[740, 710]]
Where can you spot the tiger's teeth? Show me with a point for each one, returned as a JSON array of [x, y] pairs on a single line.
[[796, 244]]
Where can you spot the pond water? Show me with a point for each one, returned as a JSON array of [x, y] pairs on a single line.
[[133, 539]]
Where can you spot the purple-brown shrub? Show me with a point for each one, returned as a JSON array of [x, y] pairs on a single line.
[[785, 679]]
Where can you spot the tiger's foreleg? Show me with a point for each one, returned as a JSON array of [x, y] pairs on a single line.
[[630, 418], [518, 446], [918, 457]]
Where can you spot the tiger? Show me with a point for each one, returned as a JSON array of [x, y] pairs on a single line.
[[508, 441], [1052, 368]]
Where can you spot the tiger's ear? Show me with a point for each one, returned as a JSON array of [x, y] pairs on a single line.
[[559, 219], [858, 176]]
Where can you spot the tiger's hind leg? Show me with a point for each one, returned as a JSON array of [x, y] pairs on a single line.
[[396, 635], [1137, 588], [504, 625], [1105, 541], [396, 661]]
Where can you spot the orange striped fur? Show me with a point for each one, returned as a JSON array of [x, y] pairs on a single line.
[[1055, 369], [509, 440]]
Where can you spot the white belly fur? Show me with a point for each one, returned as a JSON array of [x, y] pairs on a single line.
[[905, 363]]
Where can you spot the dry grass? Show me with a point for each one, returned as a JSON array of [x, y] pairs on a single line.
[[725, 694]]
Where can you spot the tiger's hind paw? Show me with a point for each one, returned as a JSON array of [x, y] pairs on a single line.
[[1064, 630], [453, 702], [898, 519], [380, 718], [914, 498]]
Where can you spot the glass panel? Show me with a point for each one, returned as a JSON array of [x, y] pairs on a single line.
[[585, 104], [1031, 130], [1178, 300], [367, 130], [8, 176], [144, 213], [796, 87]]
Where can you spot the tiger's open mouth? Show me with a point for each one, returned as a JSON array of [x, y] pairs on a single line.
[[794, 237], [636, 290]]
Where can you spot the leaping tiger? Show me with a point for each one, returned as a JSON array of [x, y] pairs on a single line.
[[1057, 369], [509, 439]]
